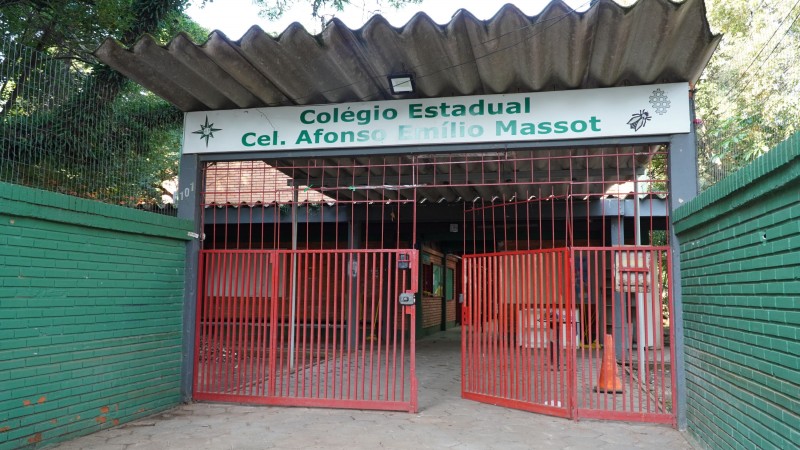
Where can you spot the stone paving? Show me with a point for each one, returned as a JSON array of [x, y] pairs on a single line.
[[443, 421]]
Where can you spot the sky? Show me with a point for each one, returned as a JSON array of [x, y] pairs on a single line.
[[235, 17]]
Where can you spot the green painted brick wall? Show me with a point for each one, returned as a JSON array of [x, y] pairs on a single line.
[[91, 300], [740, 269]]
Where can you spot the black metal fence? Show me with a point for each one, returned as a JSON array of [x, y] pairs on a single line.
[[85, 131]]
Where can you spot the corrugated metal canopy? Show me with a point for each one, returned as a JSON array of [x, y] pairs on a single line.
[[653, 41]]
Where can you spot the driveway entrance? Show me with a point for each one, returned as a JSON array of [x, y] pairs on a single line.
[[305, 261]]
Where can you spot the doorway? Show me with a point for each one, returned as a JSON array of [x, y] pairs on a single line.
[[514, 222]]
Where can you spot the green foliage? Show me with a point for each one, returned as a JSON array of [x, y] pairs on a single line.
[[747, 100], [178, 22], [72, 125], [64, 28], [120, 156], [274, 9]]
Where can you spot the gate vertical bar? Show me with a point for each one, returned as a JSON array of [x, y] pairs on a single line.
[[353, 271], [293, 294], [412, 311], [571, 351], [200, 299], [275, 266]]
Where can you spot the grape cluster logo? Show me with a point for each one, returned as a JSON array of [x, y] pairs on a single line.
[[660, 103]]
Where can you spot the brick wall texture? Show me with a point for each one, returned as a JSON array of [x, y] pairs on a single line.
[[740, 266], [432, 312], [451, 311], [90, 315]]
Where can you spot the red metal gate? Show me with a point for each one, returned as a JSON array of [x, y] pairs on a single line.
[[307, 328], [541, 219], [516, 339], [623, 354], [570, 332]]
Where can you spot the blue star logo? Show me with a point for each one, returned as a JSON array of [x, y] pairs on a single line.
[[206, 131]]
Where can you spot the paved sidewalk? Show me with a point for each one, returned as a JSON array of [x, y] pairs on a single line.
[[444, 421]]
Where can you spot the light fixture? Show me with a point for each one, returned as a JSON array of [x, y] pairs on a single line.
[[402, 84]]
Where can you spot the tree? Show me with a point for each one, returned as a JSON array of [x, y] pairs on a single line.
[[70, 30], [319, 9], [70, 124], [73, 125], [747, 99], [274, 9]]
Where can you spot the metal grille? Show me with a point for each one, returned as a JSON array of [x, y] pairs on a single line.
[[65, 131], [301, 278], [248, 204], [516, 348], [252, 205], [307, 328], [576, 333], [623, 294], [567, 290], [523, 218]]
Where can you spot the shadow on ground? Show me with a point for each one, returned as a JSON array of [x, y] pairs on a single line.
[[443, 421]]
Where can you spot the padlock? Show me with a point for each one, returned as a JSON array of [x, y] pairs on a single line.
[[406, 299]]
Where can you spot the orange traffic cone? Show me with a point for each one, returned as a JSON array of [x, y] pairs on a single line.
[[609, 381]]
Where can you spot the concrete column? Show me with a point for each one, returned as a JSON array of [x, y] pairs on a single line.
[[188, 202], [621, 329], [683, 187]]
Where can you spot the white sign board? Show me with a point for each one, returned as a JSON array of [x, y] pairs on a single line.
[[542, 116]]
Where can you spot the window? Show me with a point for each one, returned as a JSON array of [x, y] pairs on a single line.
[[427, 279], [432, 282], [438, 285], [450, 284]]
